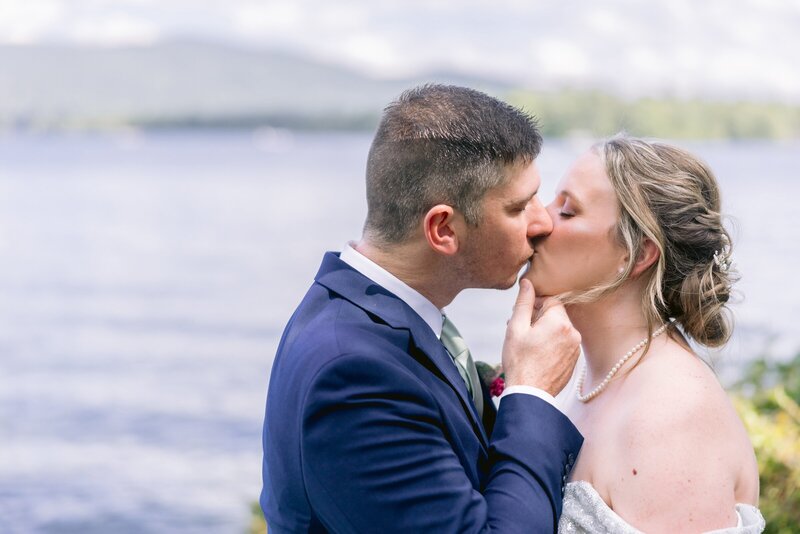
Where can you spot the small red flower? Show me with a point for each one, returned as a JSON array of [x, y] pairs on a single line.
[[497, 386]]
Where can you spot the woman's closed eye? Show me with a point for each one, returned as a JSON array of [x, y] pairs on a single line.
[[566, 210]]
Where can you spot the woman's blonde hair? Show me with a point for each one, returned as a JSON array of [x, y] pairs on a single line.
[[669, 196]]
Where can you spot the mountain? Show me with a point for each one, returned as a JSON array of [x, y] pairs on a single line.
[[191, 82]]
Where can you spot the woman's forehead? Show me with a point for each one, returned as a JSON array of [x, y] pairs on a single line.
[[587, 181]]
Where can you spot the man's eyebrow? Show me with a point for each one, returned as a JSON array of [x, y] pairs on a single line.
[[525, 200]]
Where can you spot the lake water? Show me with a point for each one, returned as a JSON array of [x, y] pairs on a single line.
[[145, 280]]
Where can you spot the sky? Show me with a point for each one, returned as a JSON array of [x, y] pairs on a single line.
[[721, 48]]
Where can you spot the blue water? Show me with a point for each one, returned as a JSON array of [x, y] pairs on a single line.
[[145, 280]]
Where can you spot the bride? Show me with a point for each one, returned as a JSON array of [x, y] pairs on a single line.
[[639, 253]]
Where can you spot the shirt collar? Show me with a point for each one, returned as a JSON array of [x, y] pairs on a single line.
[[429, 313]]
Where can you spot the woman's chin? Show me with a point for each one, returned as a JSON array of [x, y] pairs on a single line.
[[539, 287], [542, 292], [530, 276]]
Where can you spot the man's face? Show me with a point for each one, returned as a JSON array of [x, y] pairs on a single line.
[[501, 244]]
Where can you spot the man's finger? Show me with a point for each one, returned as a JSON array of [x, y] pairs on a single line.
[[550, 303], [539, 307], [523, 306]]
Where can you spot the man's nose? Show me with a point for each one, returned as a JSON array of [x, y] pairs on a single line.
[[540, 223]]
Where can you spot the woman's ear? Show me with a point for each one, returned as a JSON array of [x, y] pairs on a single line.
[[648, 255], [439, 227]]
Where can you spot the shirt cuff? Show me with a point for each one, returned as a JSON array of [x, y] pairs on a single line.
[[530, 390]]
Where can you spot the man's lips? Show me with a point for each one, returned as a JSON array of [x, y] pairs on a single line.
[[532, 259], [528, 263]]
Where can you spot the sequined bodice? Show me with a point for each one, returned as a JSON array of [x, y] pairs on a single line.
[[585, 512]]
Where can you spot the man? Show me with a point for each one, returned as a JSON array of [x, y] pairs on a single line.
[[375, 419]]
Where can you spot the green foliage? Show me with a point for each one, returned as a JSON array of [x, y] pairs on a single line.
[[257, 523], [768, 401], [600, 114]]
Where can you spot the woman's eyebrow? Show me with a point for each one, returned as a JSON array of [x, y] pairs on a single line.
[[568, 194]]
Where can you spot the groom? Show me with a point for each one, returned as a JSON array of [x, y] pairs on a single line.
[[375, 419]]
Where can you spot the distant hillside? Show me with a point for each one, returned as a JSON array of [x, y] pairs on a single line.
[[192, 84], [599, 114], [188, 83]]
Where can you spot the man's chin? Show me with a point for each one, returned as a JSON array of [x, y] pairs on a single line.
[[513, 278], [507, 285]]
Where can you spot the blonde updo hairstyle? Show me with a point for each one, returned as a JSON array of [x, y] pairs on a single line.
[[669, 196]]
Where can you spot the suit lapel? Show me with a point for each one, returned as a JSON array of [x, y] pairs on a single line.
[[337, 276], [431, 345]]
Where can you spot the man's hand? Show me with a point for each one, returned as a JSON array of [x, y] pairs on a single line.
[[541, 345]]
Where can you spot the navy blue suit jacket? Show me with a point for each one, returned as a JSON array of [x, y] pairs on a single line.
[[370, 428]]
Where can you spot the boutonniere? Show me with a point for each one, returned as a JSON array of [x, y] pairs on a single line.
[[492, 377]]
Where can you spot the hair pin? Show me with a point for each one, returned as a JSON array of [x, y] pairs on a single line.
[[722, 258]]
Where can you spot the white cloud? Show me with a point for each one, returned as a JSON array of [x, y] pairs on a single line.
[[341, 17], [605, 21], [721, 46], [25, 22], [372, 52], [262, 20], [643, 59], [114, 29], [561, 59]]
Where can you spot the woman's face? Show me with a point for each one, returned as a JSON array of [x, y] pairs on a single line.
[[581, 252]]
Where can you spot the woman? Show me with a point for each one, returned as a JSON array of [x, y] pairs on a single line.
[[639, 253]]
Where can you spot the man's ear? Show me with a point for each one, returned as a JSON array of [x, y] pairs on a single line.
[[439, 227], [648, 255]]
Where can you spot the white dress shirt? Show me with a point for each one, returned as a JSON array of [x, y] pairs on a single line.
[[429, 313]]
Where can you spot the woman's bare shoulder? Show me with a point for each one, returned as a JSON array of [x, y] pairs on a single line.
[[678, 440], [677, 386]]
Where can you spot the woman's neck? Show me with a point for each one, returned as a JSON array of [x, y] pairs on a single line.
[[609, 328]]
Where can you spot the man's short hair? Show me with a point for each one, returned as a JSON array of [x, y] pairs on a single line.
[[441, 144]]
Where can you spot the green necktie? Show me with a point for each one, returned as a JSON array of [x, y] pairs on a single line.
[[459, 351]]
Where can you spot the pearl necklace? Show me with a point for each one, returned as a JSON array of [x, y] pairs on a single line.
[[602, 385]]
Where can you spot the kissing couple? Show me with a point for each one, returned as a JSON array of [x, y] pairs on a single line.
[[376, 419]]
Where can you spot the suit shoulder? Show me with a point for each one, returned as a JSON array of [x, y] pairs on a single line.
[[325, 327], [341, 326]]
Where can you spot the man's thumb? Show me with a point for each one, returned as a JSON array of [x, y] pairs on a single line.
[[523, 306]]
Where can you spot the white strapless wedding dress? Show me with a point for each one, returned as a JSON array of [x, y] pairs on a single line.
[[585, 511]]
